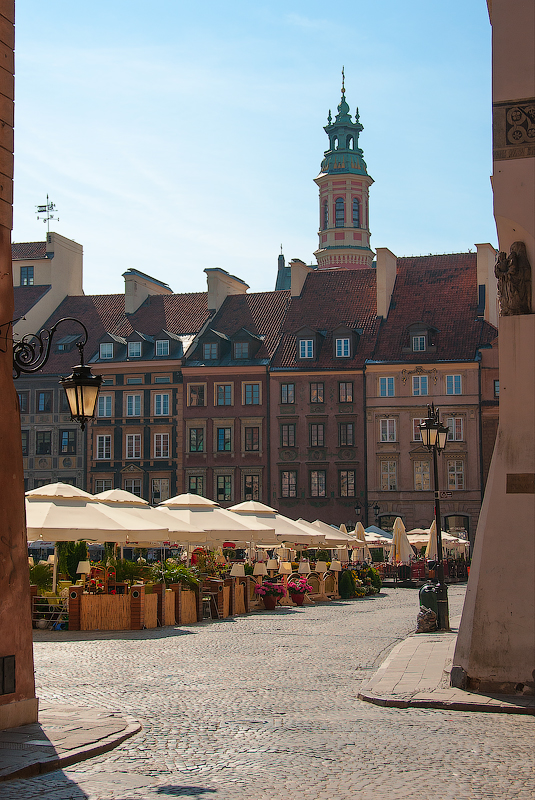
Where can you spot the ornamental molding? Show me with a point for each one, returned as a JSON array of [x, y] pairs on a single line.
[[419, 371]]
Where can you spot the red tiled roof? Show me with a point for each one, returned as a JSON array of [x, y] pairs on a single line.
[[329, 299], [26, 297], [260, 313], [440, 291], [28, 250], [101, 314]]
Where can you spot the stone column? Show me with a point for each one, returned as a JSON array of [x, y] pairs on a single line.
[[17, 707], [496, 644]]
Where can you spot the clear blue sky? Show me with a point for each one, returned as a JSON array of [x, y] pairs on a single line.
[[175, 136]]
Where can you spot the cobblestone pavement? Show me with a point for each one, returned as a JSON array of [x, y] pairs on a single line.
[[263, 707]]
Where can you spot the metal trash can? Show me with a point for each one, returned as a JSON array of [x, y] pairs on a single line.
[[428, 597]]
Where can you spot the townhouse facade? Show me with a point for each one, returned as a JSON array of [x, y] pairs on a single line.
[[307, 398]]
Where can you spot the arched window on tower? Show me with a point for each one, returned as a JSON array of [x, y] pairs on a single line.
[[349, 142], [339, 214], [325, 215], [334, 145], [356, 213]]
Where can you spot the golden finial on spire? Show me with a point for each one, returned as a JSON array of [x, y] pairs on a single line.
[[343, 81]]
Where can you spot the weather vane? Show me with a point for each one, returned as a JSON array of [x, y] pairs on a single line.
[[343, 81], [47, 211]]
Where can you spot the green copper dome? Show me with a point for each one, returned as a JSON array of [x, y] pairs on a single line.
[[344, 154]]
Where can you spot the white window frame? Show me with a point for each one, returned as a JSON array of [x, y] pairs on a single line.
[[103, 485], [420, 385], [161, 404], [389, 476], [454, 382], [134, 349], [306, 348], [133, 446], [131, 484], [419, 344], [422, 476], [456, 476], [133, 405], [106, 350], [388, 430], [162, 347], [343, 347], [159, 498], [387, 387], [105, 405], [456, 429], [161, 445], [104, 447], [416, 432]]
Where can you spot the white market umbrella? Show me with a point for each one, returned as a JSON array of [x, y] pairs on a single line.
[[284, 528], [431, 551], [362, 543], [219, 524], [334, 537], [401, 551], [179, 530], [60, 512]]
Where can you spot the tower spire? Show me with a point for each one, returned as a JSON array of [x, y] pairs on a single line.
[[344, 236]]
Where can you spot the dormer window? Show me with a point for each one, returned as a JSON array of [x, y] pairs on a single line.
[[26, 276], [134, 349], [343, 347], [419, 343], [241, 350], [209, 351], [106, 350], [306, 348], [162, 347]]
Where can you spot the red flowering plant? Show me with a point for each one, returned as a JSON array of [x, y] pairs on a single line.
[[270, 589], [299, 586]]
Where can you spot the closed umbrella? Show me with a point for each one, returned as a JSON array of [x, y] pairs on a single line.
[[431, 551], [361, 542], [401, 551]]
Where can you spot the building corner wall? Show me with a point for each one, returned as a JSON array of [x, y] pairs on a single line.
[[17, 707]]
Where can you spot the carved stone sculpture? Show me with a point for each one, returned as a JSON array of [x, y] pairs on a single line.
[[514, 281]]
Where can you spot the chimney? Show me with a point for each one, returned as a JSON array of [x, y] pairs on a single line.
[[220, 285], [299, 271], [138, 286], [487, 285], [386, 277]]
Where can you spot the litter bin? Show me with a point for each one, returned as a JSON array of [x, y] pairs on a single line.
[[428, 597]]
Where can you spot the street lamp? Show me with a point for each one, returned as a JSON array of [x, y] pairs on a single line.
[[31, 353], [434, 437], [375, 506]]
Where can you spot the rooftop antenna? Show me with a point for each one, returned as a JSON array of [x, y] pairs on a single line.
[[46, 210]]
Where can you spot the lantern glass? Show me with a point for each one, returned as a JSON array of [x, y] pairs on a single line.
[[82, 390], [442, 437]]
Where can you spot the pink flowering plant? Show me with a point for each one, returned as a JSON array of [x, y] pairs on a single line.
[[270, 589], [299, 586]]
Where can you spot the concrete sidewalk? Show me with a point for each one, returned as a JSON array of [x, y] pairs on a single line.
[[416, 673], [63, 736]]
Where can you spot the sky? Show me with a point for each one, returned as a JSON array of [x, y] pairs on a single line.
[[173, 136]]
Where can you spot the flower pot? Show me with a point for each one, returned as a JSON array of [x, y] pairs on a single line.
[[269, 602], [298, 598]]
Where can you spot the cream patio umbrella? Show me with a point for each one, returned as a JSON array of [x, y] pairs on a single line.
[[362, 543], [179, 530], [284, 528], [401, 551], [219, 524], [431, 551], [334, 537], [60, 512]]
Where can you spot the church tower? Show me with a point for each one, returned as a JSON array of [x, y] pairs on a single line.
[[344, 234]]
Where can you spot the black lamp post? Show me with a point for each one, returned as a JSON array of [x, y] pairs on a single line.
[[81, 388], [434, 437], [376, 509]]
